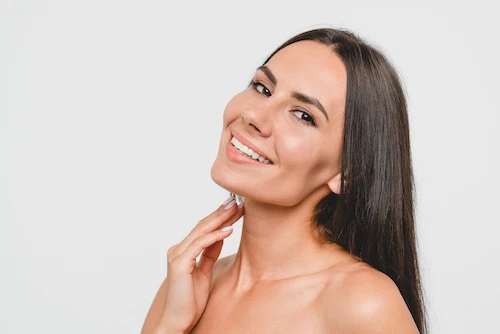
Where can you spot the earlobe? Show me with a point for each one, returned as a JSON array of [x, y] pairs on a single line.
[[335, 182]]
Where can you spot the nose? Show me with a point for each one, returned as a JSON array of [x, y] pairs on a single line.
[[258, 119]]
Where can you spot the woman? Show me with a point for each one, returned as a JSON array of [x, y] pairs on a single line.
[[318, 147]]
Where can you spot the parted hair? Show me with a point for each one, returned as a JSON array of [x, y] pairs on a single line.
[[373, 215]]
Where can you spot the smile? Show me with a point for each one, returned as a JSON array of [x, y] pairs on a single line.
[[249, 152]]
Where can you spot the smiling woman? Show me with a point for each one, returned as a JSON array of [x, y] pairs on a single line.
[[318, 147]]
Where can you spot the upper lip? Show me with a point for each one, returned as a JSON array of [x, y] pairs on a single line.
[[249, 144]]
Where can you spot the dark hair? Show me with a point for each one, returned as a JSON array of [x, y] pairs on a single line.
[[373, 216]]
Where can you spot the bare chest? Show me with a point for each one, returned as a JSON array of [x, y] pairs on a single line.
[[286, 308]]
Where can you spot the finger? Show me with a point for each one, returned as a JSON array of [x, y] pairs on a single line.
[[188, 258], [223, 215], [212, 252], [234, 218], [209, 257], [214, 221]]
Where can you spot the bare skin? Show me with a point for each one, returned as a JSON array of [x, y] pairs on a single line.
[[320, 302], [284, 277], [335, 293]]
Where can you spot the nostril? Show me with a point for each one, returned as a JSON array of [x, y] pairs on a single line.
[[253, 119], [256, 128]]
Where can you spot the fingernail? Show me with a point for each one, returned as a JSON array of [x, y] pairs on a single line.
[[227, 228], [241, 205], [229, 205], [227, 200]]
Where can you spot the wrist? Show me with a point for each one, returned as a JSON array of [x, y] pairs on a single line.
[[170, 326], [168, 330]]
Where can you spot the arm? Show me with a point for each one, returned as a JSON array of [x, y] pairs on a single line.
[[183, 295], [156, 311]]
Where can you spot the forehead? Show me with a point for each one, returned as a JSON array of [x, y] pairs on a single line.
[[313, 69]]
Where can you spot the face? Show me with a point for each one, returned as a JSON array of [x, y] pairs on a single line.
[[292, 116]]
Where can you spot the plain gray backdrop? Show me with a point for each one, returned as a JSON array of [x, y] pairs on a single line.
[[110, 117]]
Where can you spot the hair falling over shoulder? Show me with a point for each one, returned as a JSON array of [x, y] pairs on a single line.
[[373, 216]]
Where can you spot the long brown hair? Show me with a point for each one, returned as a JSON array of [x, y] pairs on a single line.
[[373, 216]]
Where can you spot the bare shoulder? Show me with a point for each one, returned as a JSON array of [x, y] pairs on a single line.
[[362, 299]]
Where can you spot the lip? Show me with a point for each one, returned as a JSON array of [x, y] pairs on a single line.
[[235, 156]]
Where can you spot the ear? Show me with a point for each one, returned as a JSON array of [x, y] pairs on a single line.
[[335, 182]]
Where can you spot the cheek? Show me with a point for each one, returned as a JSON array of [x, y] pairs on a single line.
[[235, 107], [300, 150], [314, 158]]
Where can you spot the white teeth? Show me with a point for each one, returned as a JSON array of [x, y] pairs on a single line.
[[248, 151]]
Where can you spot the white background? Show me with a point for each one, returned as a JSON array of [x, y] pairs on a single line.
[[110, 116]]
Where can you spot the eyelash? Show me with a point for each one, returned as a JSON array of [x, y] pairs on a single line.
[[311, 122]]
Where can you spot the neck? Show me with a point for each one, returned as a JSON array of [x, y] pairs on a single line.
[[278, 242]]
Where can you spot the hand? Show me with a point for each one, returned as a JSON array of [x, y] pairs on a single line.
[[188, 282]]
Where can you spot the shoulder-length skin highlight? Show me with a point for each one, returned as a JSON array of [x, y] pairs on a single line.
[[373, 216]]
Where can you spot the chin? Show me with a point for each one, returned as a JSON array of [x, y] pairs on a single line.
[[233, 181], [223, 176], [228, 179]]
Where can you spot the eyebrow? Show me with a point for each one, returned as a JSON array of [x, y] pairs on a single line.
[[296, 95], [268, 73], [310, 100]]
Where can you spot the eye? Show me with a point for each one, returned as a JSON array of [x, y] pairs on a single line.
[[261, 88], [304, 117]]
